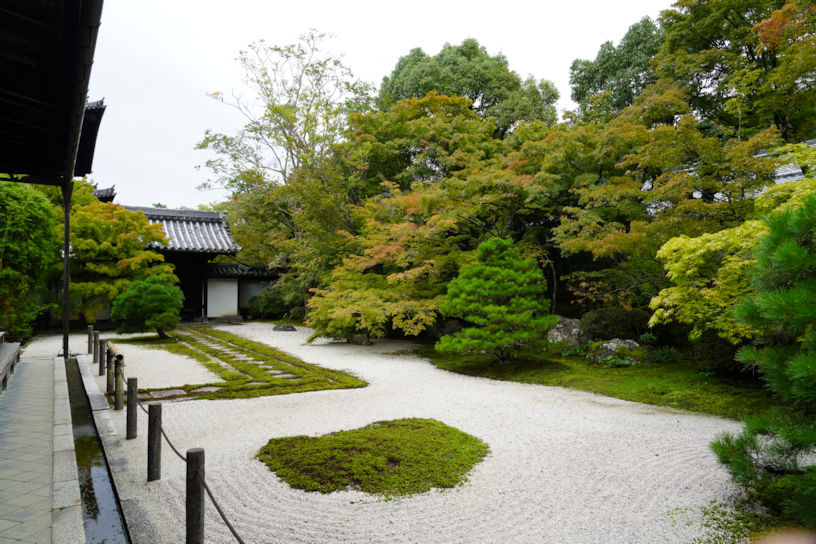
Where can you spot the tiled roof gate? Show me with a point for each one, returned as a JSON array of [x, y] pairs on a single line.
[[193, 231]]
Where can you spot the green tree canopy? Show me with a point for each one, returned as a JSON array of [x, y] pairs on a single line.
[[468, 70], [151, 303], [28, 246], [623, 71], [744, 64], [502, 299]]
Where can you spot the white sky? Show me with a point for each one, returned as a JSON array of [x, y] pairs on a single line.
[[156, 60]]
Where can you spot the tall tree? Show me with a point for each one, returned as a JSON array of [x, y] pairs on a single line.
[[468, 70], [292, 187], [744, 64], [28, 245], [623, 71]]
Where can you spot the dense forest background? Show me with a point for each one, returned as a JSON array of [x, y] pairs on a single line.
[[646, 197]]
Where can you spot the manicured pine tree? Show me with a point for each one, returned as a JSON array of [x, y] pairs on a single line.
[[146, 304], [502, 297], [775, 455]]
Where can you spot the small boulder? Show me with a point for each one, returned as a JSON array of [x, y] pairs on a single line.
[[568, 332], [288, 328], [624, 349], [358, 338]]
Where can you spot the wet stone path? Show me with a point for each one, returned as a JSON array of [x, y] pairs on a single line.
[[26, 453]]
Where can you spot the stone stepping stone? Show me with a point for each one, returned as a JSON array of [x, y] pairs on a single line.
[[167, 393], [287, 376], [257, 383], [206, 389]]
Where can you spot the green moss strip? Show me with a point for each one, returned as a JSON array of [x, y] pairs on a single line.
[[677, 384], [260, 370], [389, 458]]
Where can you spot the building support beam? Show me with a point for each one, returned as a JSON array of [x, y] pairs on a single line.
[[67, 189]]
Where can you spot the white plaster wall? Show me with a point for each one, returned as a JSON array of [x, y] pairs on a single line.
[[248, 289], [222, 297]]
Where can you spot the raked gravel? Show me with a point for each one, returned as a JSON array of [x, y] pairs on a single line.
[[564, 466]]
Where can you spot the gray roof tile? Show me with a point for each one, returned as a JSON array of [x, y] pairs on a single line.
[[195, 231]]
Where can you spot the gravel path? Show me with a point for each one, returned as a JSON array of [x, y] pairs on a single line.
[[564, 466]]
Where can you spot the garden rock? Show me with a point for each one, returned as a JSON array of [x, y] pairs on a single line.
[[567, 331], [616, 347], [288, 328]]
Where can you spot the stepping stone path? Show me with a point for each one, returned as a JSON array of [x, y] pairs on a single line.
[[206, 389], [167, 393]]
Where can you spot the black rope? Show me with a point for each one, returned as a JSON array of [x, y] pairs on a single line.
[[218, 508], [198, 473]]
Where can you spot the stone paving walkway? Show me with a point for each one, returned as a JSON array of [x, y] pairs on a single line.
[[39, 492], [26, 453]]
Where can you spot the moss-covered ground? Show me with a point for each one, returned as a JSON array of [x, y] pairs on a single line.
[[677, 384], [245, 368], [389, 458]]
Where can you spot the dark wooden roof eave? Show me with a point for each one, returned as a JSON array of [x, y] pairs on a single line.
[[46, 55]]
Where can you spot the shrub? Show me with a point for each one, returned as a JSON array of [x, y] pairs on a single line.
[[715, 354], [146, 304], [663, 355], [607, 323]]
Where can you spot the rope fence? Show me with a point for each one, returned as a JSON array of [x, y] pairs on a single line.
[[104, 351]]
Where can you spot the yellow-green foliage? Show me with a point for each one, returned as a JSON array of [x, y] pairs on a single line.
[[710, 272]]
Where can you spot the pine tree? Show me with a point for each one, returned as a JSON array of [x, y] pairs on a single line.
[[146, 304], [775, 455], [502, 297]]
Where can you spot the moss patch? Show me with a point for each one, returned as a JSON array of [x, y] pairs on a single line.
[[246, 368], [676, 384], [390, 458]]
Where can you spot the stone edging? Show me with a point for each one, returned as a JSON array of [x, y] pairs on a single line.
[[140, 529], [66, 508]]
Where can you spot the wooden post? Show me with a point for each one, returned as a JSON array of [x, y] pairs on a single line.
[[195, 496], [95, 348], [132, 407], [154, 417], [119, 395], [110, 381], [90, 338], [103, 348]]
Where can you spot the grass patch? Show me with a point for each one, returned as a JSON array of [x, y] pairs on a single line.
[[677, 384], [389, 458], [247, 369]]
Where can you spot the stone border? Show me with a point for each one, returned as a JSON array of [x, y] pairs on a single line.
[[137, 524], [66, 506]]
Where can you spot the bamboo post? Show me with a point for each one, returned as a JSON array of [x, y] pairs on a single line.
[[195, 496], [154, 417], [132, 407]]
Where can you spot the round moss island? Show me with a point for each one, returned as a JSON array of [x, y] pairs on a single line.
[[398, 457]]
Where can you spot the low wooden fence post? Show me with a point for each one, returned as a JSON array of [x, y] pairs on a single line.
[[90, 338], [132, 407], [109, 366], [154, 417], [195, 496], [119, 395], [95, 347], [103, 348]]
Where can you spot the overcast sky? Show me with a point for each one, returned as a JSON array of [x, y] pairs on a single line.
[[156, 60]]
